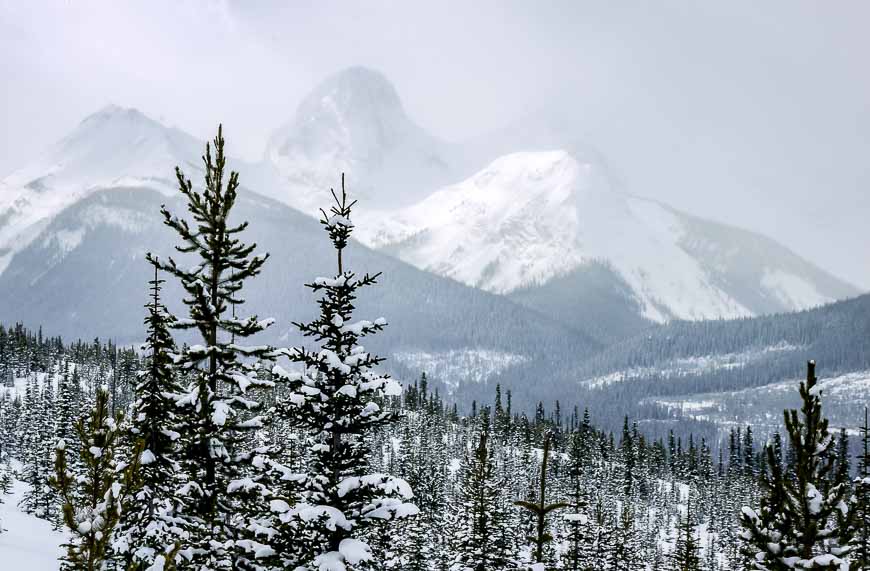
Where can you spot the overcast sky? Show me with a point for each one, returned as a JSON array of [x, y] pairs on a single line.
[[751, 113]]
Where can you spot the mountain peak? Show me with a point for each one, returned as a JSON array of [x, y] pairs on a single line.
[[355, 90], [125, 124], [354, 122], [353, 116], [111, 144], [113, 111], [113, 147]]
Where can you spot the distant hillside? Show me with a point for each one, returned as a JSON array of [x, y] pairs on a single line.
[[692, 368]]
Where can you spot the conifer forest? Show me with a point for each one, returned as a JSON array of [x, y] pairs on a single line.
[[205, 448]]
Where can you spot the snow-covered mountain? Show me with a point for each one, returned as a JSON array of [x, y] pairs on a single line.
[[354, 122], [543, 228], [78, 221], [532, 217], [114, 147]]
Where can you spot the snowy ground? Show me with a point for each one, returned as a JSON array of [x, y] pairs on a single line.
[[690, 365], [26, 543]]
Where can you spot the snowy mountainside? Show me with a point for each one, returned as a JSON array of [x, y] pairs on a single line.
[[521, 271], [354, 122], [531, 217], [114, 147], [544, 228], [93, 252], [703, 364], [843, 400]]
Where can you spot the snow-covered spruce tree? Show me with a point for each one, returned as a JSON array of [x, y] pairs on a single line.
[[5, 478], [477, 542], [627, 554], [686, 555], [222, 487], [803, 522], [425, 460], [40, 500], [150, 531], [598, 551], [578, 534], [861, 504], [337, 402], [66, 411], [92, 495], [540, 509]]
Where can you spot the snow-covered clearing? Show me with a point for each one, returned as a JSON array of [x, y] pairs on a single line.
[[460, 366], [843, 396], [690, 365], [27, 543]]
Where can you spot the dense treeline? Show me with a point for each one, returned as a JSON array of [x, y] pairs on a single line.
[[634, 494]]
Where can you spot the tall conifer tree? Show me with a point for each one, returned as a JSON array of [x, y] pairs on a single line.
[[220, 401], [803, 522], [861, 503], [150, 530], [93, 494], [338, 402]]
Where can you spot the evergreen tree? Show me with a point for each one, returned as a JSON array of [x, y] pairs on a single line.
[[541, 508], [92, 498], [861, 503], [338, 402], [475, 543], [577, 522], [627, 552], [220, 403], [686, 555], [150, 531], [67, 406], [628, 458], [803, 521], [39, 500]]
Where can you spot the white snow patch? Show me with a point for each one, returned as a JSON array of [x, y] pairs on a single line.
[[792, 290], [689, 365], [462, 365], [27, 542]]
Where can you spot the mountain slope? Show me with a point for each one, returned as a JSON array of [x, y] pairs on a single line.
[[530, 218], [94, 250], [706, 364]]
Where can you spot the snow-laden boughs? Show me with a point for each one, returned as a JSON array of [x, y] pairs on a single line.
[[40, 499], [803, 522], [541, 509], [151, 529], [686, 555], [861, 503], [336, 403], [577, 522], [221, 402], [479, 541], [94, 493]]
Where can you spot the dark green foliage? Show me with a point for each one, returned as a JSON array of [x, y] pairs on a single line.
[[476, 542], [91, 496], [861, 504], [687, 551], [337, 404], [801, 522], [151, 529], [220, 403], [541, 509]]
